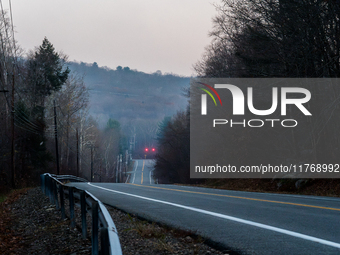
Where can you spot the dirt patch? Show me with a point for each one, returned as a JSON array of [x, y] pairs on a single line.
[[29, 224], [141, 237]]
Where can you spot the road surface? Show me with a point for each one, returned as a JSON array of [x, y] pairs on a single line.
[[142, 172], [254, 223]]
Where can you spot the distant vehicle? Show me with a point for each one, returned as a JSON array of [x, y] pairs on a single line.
[[149, 153]]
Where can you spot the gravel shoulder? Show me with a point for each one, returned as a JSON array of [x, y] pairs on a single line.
[[29, 224], [33, 226]]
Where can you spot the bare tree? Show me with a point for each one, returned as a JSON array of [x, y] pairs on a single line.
[[273, 38], [71, 99]]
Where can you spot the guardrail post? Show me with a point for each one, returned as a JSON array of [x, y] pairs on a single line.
[[51, 185], [94, 228], [52, 191], [71, 200], [56, 195], [104, 234], [46, 185], [50, 194], [62, 202], [83, 214]]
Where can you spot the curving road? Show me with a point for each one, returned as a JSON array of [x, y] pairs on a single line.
[[142, 172], [253, 223]]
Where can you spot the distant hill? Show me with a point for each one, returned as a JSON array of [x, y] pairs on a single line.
[[124, 94]]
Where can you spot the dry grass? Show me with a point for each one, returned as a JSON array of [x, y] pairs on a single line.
[[145, 229], [162, 245]]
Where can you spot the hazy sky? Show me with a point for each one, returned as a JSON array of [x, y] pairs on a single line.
[[147, 35]]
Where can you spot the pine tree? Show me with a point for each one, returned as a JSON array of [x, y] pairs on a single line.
[[50, 65]]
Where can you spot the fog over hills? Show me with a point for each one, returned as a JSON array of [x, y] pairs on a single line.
[[124, 94]]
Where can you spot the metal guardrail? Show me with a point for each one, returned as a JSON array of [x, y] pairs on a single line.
[[53, 186], [70, 178]]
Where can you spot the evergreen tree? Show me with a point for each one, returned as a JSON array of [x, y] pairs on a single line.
[[162, 125], [45, 72], [113, 124]]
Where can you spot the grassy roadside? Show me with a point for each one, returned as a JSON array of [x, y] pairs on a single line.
[[316, 187]]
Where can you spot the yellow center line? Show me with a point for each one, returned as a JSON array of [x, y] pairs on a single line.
[[247, 198], [142, 172]]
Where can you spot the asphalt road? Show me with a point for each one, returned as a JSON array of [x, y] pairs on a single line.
[[254, 223], [142, 172]]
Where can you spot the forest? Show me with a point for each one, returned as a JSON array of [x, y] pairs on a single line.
[[267, 39], [95, 114], [44, 106], [75, 118]]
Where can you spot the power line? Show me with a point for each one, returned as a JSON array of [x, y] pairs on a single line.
[[26, 118], [26, 128], [23, 121], [29, 124]]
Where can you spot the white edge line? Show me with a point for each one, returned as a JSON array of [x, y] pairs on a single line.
[[150, 171], [126, 181], [248, 222]]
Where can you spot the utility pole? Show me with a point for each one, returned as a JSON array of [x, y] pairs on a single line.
[[92, 147], [5, 91], [56, 137], [77, 152], [13, 139]]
